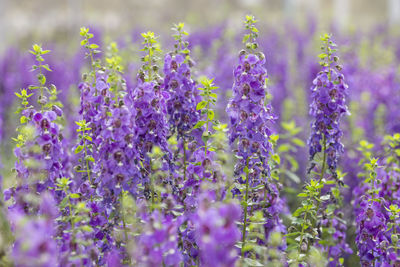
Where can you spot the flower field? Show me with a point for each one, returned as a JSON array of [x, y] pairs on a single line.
[[204, 147]]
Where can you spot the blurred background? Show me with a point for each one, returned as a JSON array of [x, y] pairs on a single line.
[[41, 20]]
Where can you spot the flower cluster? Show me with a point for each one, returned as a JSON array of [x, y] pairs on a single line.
[[145, 171], [41, 158], [216, 232], [181, 105], [149, 102], [34, 244], [158, 244], [249, 128], [328, 106]]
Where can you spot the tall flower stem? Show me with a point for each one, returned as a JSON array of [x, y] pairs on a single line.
[[184, 159], [246, 196], [323, 160]]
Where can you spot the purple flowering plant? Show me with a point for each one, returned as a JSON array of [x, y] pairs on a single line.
[[320, 213], [142, 164], [249, 130]]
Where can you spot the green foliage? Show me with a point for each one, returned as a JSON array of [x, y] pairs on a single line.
[[181, 47], [152, 50], [209, 100], [327, 51], [249, 39], [116, 69], [84, 138], [92, 49], [76, 214], [38, 52], [284, 146]]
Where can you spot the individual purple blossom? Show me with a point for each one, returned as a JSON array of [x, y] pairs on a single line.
[[34, 235], [157, 245], [216, 232]]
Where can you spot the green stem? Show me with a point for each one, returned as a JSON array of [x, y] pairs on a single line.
[[123, 217], [93, 68], [40, 86], [302, 232], [245, 208], [86, 160], [153, 201], [323, 169], [323, 160], [207, 127], [184, 159]]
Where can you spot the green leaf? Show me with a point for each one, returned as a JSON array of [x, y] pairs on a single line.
[[276, 158], [292, 176], [210, 115], [46, 67], [298, 142], [201, 105], [63, 202], [199, 124], [322, 56], [93, 46], [74, 195], [78, 149], [86, 228], [23, 119], [89, 158], [41, 78], [325, 197]]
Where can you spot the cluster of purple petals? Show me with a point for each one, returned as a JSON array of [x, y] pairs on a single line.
[[373, 237], [34, 235], [115, 155], [249, 121], [181, 106], [327, 107], [51, 158], [340, 246], [158, 243], [216, 231], [149, 102], [249, 117], [115, 166]]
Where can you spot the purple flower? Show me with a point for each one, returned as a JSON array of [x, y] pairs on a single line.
[[181, 105], [327, 108], [34, 236], [216, 232], [158, 243], [249, 118], [249, 130]]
